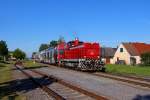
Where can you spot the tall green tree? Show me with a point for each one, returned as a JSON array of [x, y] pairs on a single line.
[[145, 58], [19, 54], [43, 47], [3, 49], [53, 43]]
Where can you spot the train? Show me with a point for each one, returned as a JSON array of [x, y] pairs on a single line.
[[74, 54]]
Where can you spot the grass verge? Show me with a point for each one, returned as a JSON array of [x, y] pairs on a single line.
[[31, 64], [5, 79], [5, 72], [143, 71]]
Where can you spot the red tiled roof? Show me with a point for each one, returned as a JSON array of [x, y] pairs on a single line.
[[136, 49], [141, 47]]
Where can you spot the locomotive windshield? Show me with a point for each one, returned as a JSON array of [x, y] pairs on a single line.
[[71, 43]]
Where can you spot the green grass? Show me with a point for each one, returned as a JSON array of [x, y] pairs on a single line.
[[5, 72], [32, 64], [129, 70], [6, 76]]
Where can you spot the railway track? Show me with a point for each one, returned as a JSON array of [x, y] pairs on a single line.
[[47, 90], [61, 90], [131, 80], [127, 79]]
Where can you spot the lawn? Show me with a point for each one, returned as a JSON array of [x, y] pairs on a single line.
[[6, 76], [129, 70], [5, 72], [32, 64]]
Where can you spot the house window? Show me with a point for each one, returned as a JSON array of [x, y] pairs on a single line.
[[121, 49]]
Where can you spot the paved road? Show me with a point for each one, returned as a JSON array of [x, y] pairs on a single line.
[[112, 89]]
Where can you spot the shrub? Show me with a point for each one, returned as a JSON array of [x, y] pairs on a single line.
[[19, 54], [145, 59]]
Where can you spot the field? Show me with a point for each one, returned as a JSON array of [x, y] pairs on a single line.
[[5, 72], [143, 71], [31, 64]]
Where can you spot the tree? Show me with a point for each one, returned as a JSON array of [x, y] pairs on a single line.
[[19, 54], [53, 43], [43, 47], [3, 49], [145, 58]]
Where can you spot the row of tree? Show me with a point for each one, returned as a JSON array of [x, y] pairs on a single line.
[[5, 53], [52, 43]]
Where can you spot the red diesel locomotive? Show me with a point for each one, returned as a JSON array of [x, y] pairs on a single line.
[[75, 54]]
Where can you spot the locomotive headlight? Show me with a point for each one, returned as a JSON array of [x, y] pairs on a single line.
[[84, 56], [98, 56]]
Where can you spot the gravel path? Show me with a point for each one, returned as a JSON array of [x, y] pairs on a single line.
[[107, 87], [25, 87]]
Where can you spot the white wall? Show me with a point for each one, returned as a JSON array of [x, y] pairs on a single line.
[[121, 55], [111, 60], [138, 59]]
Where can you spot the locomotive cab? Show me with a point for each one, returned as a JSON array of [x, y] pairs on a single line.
[[74, 43], [80, 55]]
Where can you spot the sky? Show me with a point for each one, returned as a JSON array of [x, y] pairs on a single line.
[[25, 24]]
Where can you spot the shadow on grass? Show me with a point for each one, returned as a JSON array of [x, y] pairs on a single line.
[[1, 66], [10, 88], [142, 97], [34, 67], [5, 62]]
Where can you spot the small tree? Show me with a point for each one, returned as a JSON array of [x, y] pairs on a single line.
[[53, 43], [43, 47], [19, 54], [3, 49], [145, 58]]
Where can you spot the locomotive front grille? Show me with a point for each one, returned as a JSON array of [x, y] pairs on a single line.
[[91, 64]]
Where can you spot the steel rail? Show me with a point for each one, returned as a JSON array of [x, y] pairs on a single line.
[[76, 88], [43, 87], [128, 79], [125, 79]]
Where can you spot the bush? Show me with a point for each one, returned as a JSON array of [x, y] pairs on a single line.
[[19, 54], [145, 59]]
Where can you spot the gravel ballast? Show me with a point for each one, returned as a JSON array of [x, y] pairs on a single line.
[[112, 89]]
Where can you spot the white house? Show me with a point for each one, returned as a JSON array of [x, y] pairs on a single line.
[[129, 53]]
